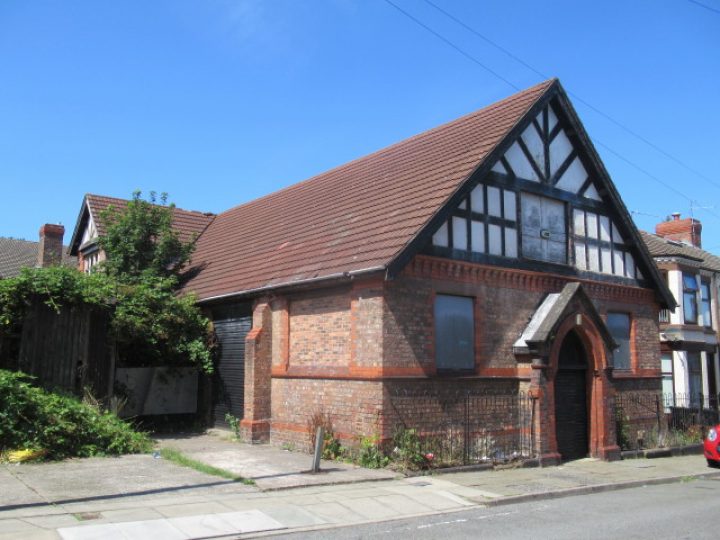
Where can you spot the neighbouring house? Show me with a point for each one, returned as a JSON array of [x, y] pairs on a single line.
[[489, 256], [148, 390], [90, 224], [688, 336], [17, 254]]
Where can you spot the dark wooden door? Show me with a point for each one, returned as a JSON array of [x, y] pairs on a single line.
[[571, 410], [232, 324]]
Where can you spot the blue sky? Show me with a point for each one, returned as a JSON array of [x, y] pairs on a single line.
[[218, 102]]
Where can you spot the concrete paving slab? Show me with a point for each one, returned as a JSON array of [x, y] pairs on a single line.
[[371, 509], [271, 468], [293, 516], [131, 514], [39, 534], [194, 509], [334, 513]]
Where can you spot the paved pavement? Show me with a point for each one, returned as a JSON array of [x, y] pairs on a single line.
[[141, 496]]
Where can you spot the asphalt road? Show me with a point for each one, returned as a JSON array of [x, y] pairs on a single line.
[[684, 510]]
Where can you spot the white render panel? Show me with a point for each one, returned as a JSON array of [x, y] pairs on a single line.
[[573, 178], [499, 167], [440, 238], [494, 240], [619, 261], [616, 236], [459, 233], [539, 119], [604, 228], [579, 222], [593, 258], [560, 149], [606, 259], [629, 265], [476, 199], [592, 221], [592, 193], [477, 232], [463, 205], [535, 146], [552, 119], [580, 261], [493, 195], [510, 203], [519, 163], [511, 242]]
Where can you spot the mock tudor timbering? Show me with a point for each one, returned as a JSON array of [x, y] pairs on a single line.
[[490, 254]]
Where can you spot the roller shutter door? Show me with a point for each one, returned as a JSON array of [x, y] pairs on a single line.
[[232, 324]]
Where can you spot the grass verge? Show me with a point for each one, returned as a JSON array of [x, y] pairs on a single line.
[[177, 457]]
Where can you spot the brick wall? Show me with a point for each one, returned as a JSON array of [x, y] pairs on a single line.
[[320, 330], [353, 406]]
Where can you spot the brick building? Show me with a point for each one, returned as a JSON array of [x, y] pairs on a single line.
[[689, 335], [490, 254]]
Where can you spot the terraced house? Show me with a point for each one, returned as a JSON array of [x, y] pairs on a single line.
[[490, 255], [688, 336]]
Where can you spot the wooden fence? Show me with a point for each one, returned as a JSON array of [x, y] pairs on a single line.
[[71, 349]]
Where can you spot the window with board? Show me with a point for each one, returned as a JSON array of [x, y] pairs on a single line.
[[454, 333], [619, 325]]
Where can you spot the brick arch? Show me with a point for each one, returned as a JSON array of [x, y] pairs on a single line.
[[601, 436]]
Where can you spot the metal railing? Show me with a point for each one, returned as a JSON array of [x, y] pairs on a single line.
[[646, 419], [462, 428]]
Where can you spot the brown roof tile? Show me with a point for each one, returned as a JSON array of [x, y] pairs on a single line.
[[188, 223], [662, 247], [355, 217]]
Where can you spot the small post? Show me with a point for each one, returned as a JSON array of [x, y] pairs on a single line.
[[319, 440]]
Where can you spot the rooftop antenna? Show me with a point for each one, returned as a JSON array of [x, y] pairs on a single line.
[[694, 204]]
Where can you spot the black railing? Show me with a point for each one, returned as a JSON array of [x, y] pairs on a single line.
[[644, 420], [461, 428]]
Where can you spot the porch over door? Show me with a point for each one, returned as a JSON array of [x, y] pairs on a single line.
[[544, 231]]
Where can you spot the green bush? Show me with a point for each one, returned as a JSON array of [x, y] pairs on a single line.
[[370, 454], [62, 426], [408, 452]]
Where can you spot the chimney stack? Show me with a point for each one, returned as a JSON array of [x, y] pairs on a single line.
[[50, 250], [686, 230]]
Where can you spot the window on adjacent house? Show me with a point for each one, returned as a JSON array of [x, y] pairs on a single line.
[[690, 290], [694, 378], [705, 303], [454, 333], [668, 386], [619, 326]]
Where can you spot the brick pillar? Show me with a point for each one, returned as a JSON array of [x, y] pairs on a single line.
[[542, 389], [50, 249], [255, 425]]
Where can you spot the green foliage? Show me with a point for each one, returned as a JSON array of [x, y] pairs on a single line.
[[138, 285], [139, 240], [155, 326], [177, 457], [407, 450], [32, 418], [622, 430], [332, 449], [370, 454], [234, 423]]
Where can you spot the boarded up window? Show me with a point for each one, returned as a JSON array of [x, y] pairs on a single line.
[[544, 236], [454, 333], [619, 326]]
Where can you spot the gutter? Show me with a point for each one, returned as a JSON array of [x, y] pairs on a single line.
[[251, 292]]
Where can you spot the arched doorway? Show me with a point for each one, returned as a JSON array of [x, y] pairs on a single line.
[[571, 404]]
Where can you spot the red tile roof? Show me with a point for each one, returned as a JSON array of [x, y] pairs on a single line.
[[189, 224], [356, 217]]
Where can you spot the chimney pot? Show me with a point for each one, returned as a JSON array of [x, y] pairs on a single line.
[[676, 216]]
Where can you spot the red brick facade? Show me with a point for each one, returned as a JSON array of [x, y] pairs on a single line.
[[342, 350]]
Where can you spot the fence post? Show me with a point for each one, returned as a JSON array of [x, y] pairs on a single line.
[[466, 431], [657, 413]]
